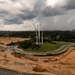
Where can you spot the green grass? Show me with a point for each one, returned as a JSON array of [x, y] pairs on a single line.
[[46, 47]]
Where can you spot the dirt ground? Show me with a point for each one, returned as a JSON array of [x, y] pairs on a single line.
[[56, 65], [7, 40]]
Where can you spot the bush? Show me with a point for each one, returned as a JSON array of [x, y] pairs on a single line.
[[25, 44], [28, 44], [34, 46], [12, 43]]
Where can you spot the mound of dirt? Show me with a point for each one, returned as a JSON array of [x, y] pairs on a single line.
[[39, 69]]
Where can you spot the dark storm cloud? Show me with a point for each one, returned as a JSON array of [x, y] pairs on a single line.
[[27, 15], [13, 21], [52, 12], [70, 4], [17, 12], [3, 13]]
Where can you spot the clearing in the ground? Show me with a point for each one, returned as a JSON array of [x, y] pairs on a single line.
[[7, 40]]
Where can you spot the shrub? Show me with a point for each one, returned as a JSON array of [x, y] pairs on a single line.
[[25, 44]]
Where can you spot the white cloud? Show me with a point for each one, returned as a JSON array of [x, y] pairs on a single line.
[[56, 3], [27, 25], [71, 20], [15, 13], [56, 19]]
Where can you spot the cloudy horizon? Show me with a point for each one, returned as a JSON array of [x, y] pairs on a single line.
[[19, 15]]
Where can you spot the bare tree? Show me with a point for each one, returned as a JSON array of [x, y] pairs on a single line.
[[36, 30], [42, 35], [39, 35]]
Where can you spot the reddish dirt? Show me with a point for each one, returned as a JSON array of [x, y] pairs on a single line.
[[64, 65], [7, 40]]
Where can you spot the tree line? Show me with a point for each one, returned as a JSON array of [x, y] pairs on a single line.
[[68, 36]]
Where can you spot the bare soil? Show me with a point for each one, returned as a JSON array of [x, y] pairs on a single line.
[[7, 40], [56, 65]]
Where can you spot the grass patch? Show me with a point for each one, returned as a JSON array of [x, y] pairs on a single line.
[[46, 47]]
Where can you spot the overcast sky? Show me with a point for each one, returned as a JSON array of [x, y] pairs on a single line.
[[22, 14]]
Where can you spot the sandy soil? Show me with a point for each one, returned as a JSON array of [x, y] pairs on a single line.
[[7, 40], [57, 65]]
